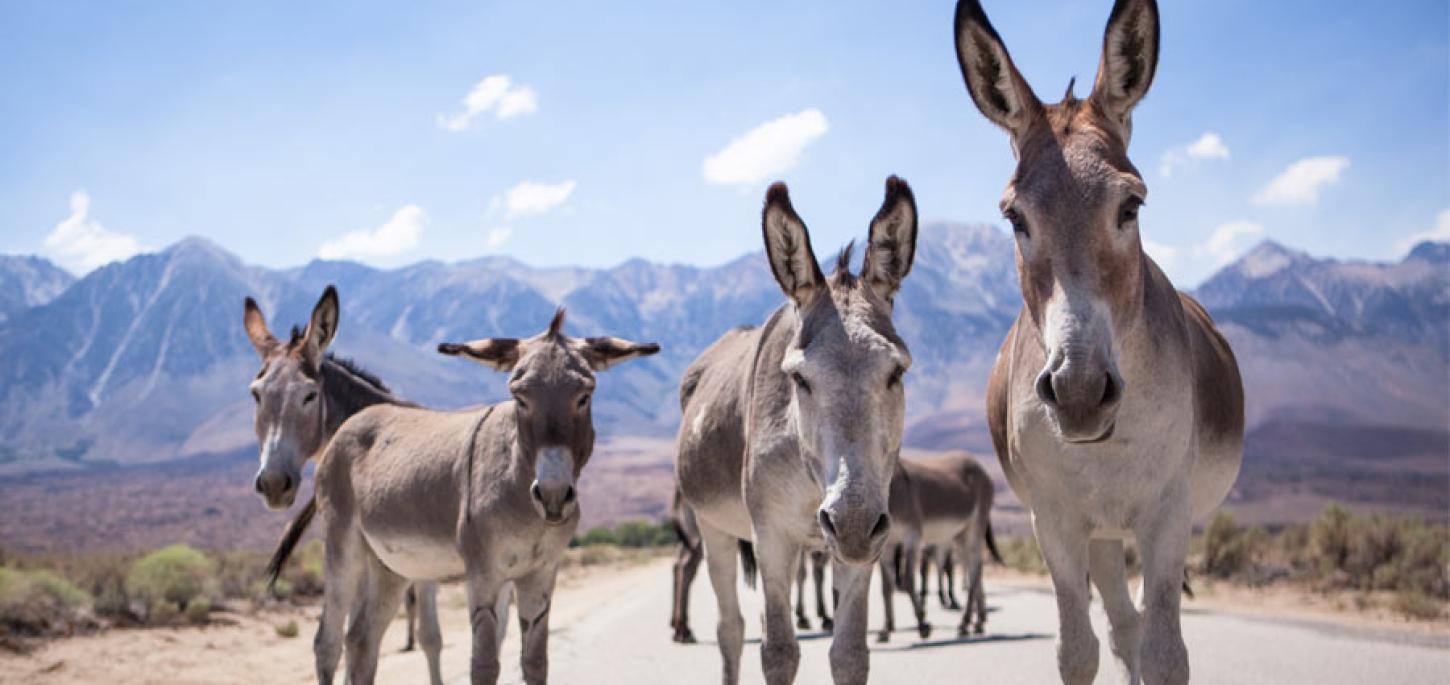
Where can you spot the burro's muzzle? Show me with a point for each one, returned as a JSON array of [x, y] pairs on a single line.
[[277, 486], [552, 492], [1081, 392], [854, 521]]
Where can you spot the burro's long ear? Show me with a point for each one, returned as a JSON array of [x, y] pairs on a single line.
[[892, 247], [605, 351], [788, 247], [257, 332], [996, 86], [322, 327], [500, 353], [1130, 58]]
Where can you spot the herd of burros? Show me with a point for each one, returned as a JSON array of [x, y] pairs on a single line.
[[1115, 407]]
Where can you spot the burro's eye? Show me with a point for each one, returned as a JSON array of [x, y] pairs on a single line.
[[1019, 224], [583, 402], [1128, 213], [894, 379], [800, 382], [521, 404], [307, 399], [256, 396]]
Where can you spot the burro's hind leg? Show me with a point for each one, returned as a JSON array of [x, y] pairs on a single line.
[[850, 657], [1109, 574], [344, 568], [779, 653], [430, 636], [818, 576], [383, 591], [721, 553], [535, 596], [687, 563], [887, 564], [909, 552], [801, 621], [1163, 543], [1064, 544], [410, 606]]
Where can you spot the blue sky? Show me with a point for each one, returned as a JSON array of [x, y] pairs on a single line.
[[287, 131]]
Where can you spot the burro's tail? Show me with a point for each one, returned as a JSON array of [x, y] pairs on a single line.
[[747, 562], [992, 545], [289, 540]]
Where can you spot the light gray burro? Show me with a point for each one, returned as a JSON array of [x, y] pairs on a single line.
[[489, 494], [790, 433], [303, 394], [1115, 406]]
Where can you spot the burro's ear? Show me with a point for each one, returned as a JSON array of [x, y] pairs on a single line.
[[892, 246], [500, 353], [1130, 58], [605, 351], [257, 332], [996, 86], [322, 327], [788, 247]]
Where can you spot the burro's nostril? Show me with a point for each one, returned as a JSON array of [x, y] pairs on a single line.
[[287, 482], [882, 527], [1112, 390], [826, 525], [1043, 386], [537, 493], [258, 484], [568, 494]]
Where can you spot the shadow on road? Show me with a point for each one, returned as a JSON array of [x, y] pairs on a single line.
[[970, 640]]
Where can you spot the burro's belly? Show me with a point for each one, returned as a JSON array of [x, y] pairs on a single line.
[[416, 557]]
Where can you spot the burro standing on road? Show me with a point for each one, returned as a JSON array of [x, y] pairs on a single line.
[[790, 432], [488, 494], [1115, 406]]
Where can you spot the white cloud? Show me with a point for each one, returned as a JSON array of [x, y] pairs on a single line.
[[1165, 255], [1225, 244], [395, 237], [1300, 183], [767, 150], [1208, 146], [495, 94], [529, 198], [498, 236], [81, 243], [1440, 233]]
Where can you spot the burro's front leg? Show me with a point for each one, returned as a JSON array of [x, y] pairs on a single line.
[[1064, 543], [483, 591], [779, 653], [535, 595], [1163, 543], [850, 658]]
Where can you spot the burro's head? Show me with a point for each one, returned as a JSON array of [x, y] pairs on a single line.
[[1073, 204], [551, 378], [290, 415], [844, 366]]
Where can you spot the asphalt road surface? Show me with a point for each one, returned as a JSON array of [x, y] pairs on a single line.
[[616, 631]]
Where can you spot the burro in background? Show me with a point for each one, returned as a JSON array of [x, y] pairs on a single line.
[[790, 432], [487, 494], [1115, 406]]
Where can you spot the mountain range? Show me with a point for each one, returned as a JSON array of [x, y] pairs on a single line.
[[1345, 362]]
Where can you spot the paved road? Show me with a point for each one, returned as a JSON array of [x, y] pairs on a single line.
[[617, 633]]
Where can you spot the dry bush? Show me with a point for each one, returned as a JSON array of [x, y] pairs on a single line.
[[1020, 552], [171, 577], [41, 603]]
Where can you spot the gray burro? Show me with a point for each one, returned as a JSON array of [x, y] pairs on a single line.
[[790, 433], [488, 494], [1115, 405]]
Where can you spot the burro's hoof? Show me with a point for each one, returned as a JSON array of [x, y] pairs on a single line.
[[828, 625], [923, 629], [963, 631], [883, 636], [981, 629], [802, 623], [685, 637]]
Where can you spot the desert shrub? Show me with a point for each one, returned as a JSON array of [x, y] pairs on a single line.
[[198, 610], [288, 629], [1329, 538], [175, 575], [1229, 550], [598, 535], [303, 575], [237, 573], [40, 602], [1020, 552], [1418, 605]]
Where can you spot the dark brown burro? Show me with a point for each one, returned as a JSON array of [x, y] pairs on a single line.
[[790, 433], [488, 494], [1115, 406]]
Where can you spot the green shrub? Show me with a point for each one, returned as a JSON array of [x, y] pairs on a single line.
[[1020, 552], [198, 610], [1418, 605], [39, 602], [175, 575], [1329, 538], [598, 535], [288, 629]]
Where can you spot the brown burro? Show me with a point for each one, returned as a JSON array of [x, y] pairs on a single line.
[[488, 494], [303, 394], [943, 501], [790, 433], [1115, 405]]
